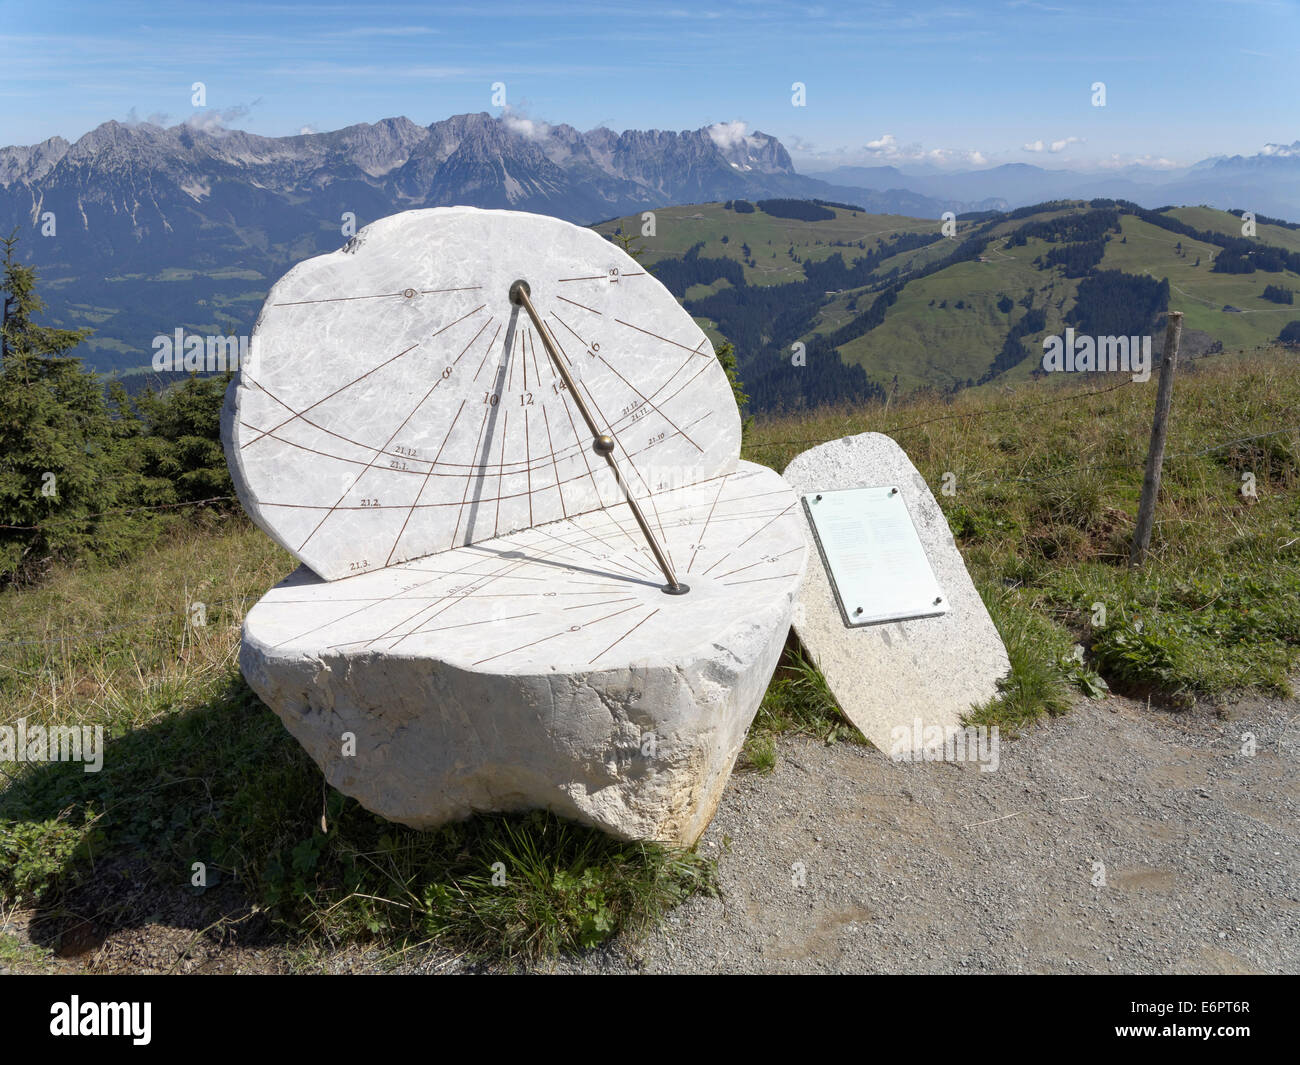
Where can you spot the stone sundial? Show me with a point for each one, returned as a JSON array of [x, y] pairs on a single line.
[[495, 442]]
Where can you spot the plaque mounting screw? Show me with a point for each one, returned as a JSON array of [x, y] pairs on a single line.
[[858, 611], [818, 499], [893, 491], [938, 599]]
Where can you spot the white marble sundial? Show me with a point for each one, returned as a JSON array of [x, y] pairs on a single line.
[[495, 442], [395, 402]]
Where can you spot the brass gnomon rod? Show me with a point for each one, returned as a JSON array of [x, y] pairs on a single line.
[[601, 443]]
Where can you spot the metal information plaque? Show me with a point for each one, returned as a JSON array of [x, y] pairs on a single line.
[[876, 563]]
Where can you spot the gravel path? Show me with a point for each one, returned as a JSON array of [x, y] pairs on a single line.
[[937, 867]]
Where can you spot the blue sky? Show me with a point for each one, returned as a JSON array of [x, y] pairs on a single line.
[[945, 83]]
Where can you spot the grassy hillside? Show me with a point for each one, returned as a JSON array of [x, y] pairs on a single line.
[[1046, 483], [945, 318]]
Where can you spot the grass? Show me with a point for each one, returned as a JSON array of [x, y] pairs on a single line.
[[797, 701], [1043, 511], [198, 770]]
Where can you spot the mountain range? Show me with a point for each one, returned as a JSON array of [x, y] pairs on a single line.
[[139, 230]]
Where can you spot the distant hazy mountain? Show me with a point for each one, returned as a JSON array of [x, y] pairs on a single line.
[[1267, 183]]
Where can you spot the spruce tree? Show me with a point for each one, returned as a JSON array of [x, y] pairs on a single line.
[[63, 458]]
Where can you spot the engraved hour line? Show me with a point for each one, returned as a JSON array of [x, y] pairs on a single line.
[[491, 344], [558, 483], [537, 373], [624, 636], [481, 621], [424, 483], [694, 351], [389, 633], [528, 450], [570, 329], [464, 571], [428, 473], [585, 624], [299, 414], [594, 486], [601, 602], [657, 410], [599, 498], [582, 305], [762, 527], [599, 277], [637, 471], [469, 480], [486, 579], [755, 580], [634, 554], [760, 562], [406, 597], [501, 477], [586, 545], [371, 464], [591, 534], [696, 550], [377, 602], [376, 296], [474, 469]]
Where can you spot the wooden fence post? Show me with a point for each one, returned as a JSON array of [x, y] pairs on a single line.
[[1156, 450]]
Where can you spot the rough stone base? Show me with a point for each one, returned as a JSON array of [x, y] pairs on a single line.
[[637, 738]]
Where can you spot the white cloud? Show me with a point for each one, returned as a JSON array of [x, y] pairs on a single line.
[[727, 135], [158, 118], [528, 128], [1115, 161], [1054, 147], [887, 149], [215, 120], [1282, 151]]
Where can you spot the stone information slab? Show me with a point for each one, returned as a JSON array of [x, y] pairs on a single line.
[[895, 679]]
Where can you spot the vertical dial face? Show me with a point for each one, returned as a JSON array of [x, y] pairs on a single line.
[[396, 404]]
